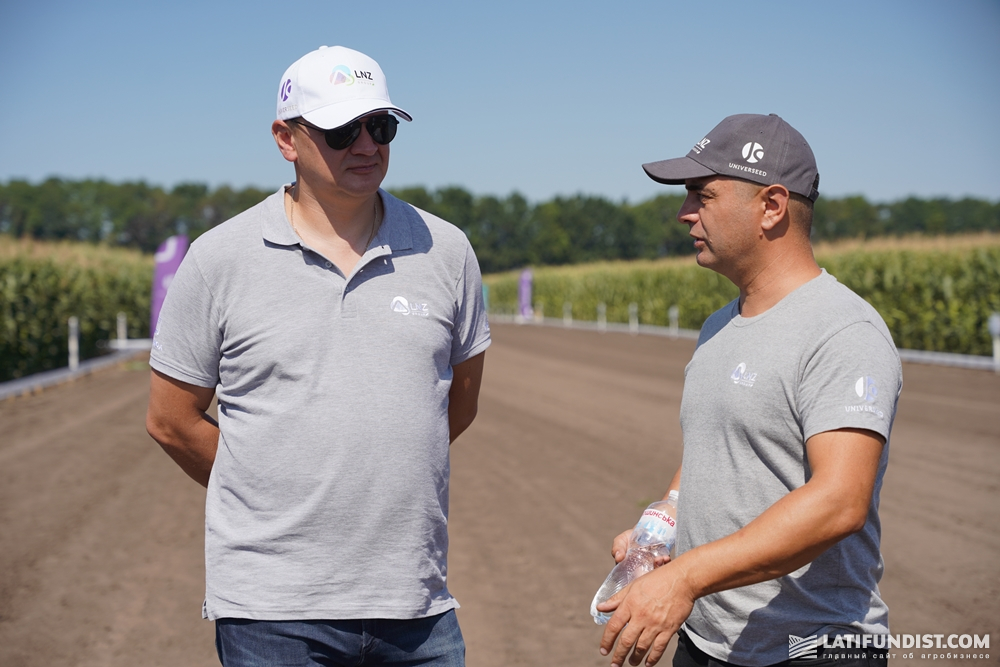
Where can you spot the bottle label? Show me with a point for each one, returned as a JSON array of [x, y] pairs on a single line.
[[656, 527]]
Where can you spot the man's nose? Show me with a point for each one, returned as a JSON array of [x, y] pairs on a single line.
[[688, 213], [364, 144]]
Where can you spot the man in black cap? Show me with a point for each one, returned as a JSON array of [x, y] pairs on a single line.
[[788, 404]]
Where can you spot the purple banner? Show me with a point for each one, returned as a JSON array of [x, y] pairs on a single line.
[[168, 257], [524, 294]]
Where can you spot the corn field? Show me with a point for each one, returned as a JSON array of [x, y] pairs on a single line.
[[43, 284], [933, 294]]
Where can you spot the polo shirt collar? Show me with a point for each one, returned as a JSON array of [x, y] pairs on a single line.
[[394, 233], [275, 227]]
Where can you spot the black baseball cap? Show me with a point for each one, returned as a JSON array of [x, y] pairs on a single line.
[[762, 149]]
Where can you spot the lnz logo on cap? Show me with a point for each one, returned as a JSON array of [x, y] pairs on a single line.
[[342, 75]]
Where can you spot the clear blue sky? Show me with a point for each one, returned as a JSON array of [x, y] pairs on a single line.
[[896, 97]]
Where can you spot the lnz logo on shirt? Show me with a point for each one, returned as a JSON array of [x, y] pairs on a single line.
[[403, 307]]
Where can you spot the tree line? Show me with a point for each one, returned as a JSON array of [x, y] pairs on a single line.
[[506, 232]]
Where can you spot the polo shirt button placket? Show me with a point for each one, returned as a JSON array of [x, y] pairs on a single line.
[[348, 307]]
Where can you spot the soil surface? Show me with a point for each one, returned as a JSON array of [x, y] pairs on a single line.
[[101, 535]]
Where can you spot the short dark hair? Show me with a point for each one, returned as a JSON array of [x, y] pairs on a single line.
[[801, 210]]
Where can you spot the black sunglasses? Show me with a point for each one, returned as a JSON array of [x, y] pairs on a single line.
[[382, 130]]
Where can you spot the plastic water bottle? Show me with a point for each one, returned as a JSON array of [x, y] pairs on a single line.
[[653, 536]]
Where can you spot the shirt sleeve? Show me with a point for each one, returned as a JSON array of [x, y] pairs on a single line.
[[852, 381], [187, 342], [471, 333]]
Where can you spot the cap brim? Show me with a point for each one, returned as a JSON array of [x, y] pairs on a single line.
[[335, 115], [676, 171]]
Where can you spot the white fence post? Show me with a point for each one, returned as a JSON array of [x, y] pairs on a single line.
[[602, 317], [122, 329], [74, 343], [674, 314], [633, 318]]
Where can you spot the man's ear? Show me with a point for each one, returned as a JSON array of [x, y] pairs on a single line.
[[283, 137], [775, 199]]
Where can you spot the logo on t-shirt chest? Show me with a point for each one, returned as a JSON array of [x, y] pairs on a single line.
[[403, 307], [742, 376]]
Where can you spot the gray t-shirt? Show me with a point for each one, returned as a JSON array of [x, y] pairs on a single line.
[[329, 494], [755, 390]]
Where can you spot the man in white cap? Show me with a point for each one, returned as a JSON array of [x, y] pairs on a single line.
[[788, 404], [342, 332]]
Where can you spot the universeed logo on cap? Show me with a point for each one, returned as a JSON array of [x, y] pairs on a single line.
[[284, 94], [753, 152]]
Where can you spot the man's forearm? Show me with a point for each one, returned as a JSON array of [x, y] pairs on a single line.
[[193, 449], [463, 399], [798, 527], [177, 420], [788, 535]]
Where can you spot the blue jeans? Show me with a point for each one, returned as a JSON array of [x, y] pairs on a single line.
[[435, 641]]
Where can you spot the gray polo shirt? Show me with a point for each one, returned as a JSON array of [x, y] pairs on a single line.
[[329, 493]]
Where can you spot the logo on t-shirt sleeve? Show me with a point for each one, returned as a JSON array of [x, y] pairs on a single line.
[[866, 390]]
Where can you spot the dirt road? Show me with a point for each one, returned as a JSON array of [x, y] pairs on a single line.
[[101, 535]]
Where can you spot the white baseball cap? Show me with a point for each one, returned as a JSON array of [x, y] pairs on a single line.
[[332, 86]]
